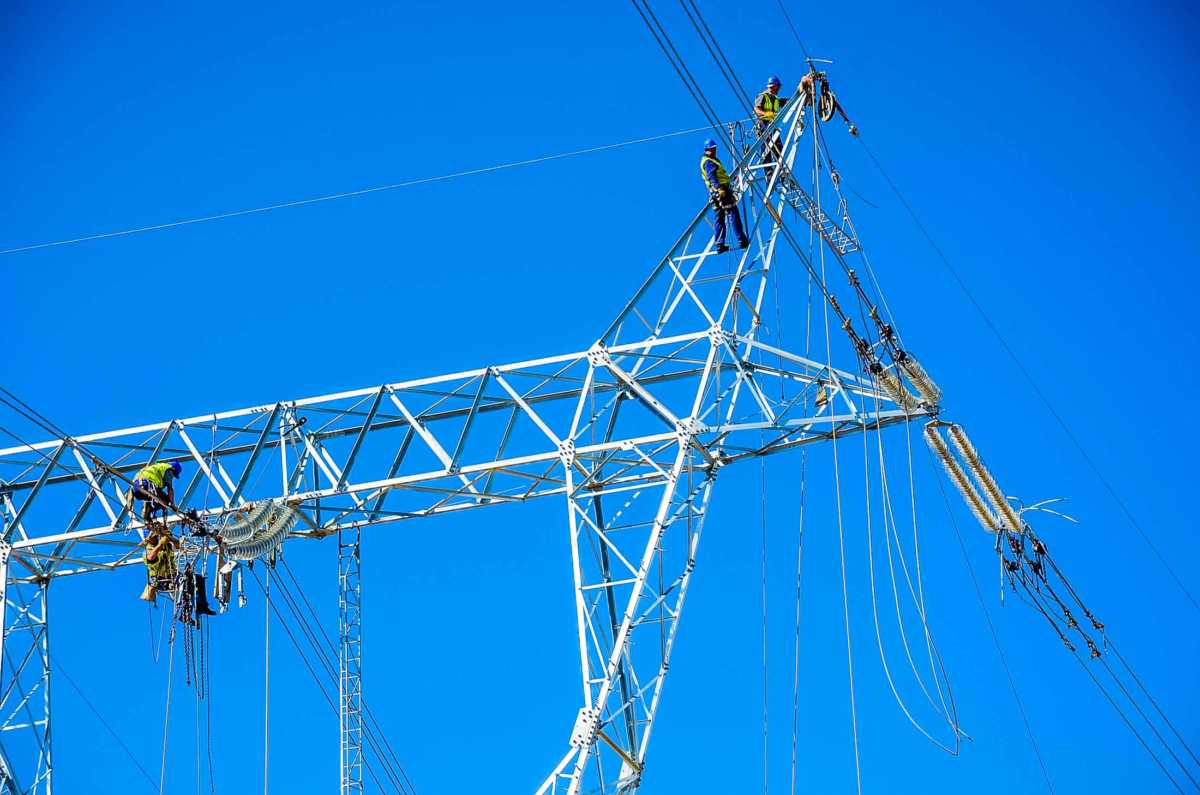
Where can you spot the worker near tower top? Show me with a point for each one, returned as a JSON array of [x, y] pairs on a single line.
[[719, 193], [154, 485], [767, 105]]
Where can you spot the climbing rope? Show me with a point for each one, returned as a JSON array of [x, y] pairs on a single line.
[[162, 773]]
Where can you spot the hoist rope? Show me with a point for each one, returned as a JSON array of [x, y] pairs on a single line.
[[916, 594], [353, 193], [887, 672], [1012, 682]]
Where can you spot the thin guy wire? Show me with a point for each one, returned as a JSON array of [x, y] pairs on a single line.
[[353, 193], [103, 722], [1062, 423]]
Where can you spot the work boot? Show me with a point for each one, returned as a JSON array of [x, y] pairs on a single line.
[[744, 244], [202, 608], [149, 594], [722, 248]]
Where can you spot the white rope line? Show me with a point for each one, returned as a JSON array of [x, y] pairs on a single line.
[[353, 193]]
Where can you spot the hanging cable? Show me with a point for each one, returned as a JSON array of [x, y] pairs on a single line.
[[1012, 682], [838, 492]]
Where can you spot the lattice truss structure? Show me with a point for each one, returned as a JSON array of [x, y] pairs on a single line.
[[630, 433]]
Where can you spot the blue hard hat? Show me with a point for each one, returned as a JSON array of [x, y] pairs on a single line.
[[773, 81], [177, 468], [710, 144]]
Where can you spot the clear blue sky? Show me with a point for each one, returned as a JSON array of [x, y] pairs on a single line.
[[1049, 147]]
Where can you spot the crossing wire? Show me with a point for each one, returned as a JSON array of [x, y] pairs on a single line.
[[353, 193]]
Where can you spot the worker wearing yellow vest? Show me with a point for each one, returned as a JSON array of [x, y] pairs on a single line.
[[154, 486], [767, 105], [159, 558], [722, 198]]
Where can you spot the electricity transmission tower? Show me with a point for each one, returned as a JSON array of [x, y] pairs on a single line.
[[630, 434]]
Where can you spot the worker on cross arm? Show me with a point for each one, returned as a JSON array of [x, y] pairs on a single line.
[[723, 202], [154, 486]]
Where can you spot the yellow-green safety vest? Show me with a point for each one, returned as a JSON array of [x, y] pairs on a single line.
[[156, 474], [768, 103], [722, 177], [164, 564]]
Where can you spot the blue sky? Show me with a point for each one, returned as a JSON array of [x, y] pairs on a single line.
[[1048, 147]]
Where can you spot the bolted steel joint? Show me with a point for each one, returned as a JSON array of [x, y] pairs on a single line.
[[598, 355], [687, 428], [566, 452], [718, 336]]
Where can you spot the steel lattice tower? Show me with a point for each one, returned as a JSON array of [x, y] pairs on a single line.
[[630, 433]]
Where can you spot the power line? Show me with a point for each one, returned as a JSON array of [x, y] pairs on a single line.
[[1062, 423], [353, 193], [788, 18]]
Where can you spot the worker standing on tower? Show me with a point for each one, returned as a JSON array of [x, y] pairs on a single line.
[[154, 486], [766, 108], [723, 202]]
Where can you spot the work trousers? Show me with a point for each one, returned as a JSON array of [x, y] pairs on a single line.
[[772, 147], [721, 210]]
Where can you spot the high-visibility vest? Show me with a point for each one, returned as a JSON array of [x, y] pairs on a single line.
[[164, 563], [722, 177], [768, 103], [158, 474]]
